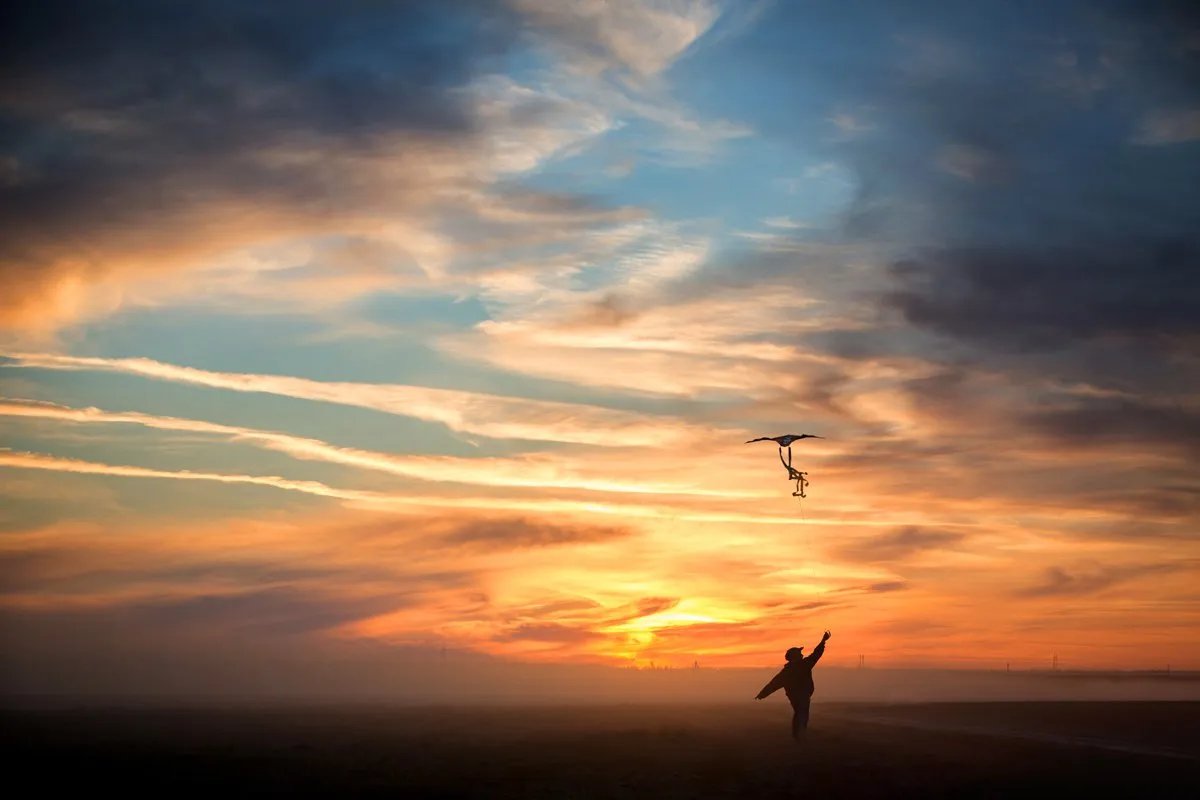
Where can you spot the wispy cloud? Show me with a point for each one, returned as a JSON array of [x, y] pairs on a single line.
[[642, 338], [1060, 581], [402, 500], [467, 412], [784, 222], [898, 544], [535, 471], [850, 124], [19, 460], [641, 36]]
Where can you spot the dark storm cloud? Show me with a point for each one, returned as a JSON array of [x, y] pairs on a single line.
[[1076, 236], [117, 115], [940, 392], [1053, 298], [203, 59], [1100, 423], [996, 139], [996, 170], [898, 544], [1158, 510]]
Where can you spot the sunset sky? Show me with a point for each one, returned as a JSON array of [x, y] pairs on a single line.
[[446, 323]]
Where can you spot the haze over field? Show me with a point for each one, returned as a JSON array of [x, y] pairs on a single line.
[[336, 334]]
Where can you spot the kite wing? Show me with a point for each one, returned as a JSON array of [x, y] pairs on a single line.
[[786, 440]]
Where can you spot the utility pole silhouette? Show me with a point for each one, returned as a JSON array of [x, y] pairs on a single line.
[[1054, 663], [862, 660]]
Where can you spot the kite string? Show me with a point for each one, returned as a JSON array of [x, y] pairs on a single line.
[[808, 570], [807, 536]]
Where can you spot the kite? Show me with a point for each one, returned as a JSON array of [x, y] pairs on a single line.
[[785, 441], [801, 478]]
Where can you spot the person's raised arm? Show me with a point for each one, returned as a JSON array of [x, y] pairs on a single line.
[[819, 650]]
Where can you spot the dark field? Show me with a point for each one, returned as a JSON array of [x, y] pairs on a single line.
[[630, 751]]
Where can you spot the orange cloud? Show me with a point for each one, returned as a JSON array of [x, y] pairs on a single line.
[[552, 585]]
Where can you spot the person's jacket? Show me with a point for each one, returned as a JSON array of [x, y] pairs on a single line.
[[796, 676]]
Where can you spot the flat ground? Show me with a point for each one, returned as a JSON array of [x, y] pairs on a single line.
[[936, 750]]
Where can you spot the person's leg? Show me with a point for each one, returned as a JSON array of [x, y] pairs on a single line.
[[799, 717]]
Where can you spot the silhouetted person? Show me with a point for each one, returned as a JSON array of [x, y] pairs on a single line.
[[797, 683]]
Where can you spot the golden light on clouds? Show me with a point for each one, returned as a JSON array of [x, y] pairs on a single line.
[[361, 337]]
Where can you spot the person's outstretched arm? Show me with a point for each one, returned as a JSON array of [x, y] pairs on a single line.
[[819, 650], [774, 685]]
